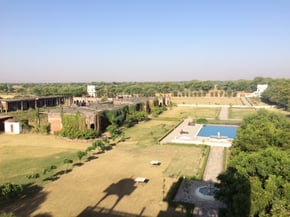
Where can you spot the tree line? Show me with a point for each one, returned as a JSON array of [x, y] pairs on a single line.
[[113, 89]]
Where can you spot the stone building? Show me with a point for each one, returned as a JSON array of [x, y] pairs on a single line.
[[93, 113], [8, 105]]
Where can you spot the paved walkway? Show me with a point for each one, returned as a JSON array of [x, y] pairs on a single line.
[[224, 113], [214, 164]]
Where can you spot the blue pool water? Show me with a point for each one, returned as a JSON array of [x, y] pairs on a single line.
[[218, 131]]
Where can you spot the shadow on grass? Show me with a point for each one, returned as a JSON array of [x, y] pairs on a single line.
[[43, 215], [57, 175], [124, 187], [90, 158], [51, 178], [32, 198], [78, 164]]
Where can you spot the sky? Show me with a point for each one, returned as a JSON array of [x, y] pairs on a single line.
[[143, 40]]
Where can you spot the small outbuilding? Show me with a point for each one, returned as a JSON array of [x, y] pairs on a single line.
[[12, 126]]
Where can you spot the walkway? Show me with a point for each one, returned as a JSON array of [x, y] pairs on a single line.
[[214, 164], [224, 113]]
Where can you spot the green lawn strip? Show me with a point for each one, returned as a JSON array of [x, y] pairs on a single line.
[[18, 170], [240, 113], [185, 163], [147, 133]]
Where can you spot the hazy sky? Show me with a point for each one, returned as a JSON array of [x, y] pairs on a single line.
[[143, 40]]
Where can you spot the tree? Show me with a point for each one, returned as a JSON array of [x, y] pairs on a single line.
[[100, 145], [261, 130], [80, 155], [255, 182], [278, 92]]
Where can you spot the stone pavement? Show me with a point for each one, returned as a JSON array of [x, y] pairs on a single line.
[[224, 113], [214, 164]]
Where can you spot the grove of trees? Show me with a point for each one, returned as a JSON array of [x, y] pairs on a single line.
[[194, 88], [278, 93], [257, 181]]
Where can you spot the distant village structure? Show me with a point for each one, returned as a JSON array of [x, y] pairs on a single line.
[[91, 89], [8, 105], [260, 89]]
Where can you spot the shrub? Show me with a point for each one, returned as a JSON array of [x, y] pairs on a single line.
[[201, 121], [10, 191], [33, 176]]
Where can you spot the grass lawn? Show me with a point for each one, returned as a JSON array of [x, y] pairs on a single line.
[[207, 100], [27, 154], [184, 160], [83, 191], [240, 113], [181, 113]]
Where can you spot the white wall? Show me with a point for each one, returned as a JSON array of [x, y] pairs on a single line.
[[12, 127]]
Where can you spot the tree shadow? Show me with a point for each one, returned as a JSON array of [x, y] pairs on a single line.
[[122, 188], [92, 157], [57, 175], [32, 199], [108, 148], [43, 215], [51, 178], [79, 164]]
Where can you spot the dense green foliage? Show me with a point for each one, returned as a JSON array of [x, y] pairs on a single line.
[[278, 93], [261, 130], [257, 181], [74, 127], [10, 191]]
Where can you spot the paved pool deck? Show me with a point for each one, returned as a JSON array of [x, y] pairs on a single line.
[[187, 134]]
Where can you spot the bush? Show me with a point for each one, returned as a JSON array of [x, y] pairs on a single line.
[[201, 121], [33, 176], [10, 191], [46, 128], [79, 134]]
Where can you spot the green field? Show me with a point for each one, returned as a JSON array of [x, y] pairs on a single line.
[[28, 154], [240, 113]]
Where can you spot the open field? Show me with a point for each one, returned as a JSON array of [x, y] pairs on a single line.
[[104, 186], [184, 112], [25, 154], [240, 113], [207, 100]]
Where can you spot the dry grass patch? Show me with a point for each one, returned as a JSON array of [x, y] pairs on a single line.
[[240, 113], [185, 112], [98, 185], [207, 100]]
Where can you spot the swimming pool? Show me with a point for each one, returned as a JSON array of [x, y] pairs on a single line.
[[218, 131]]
